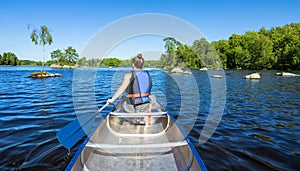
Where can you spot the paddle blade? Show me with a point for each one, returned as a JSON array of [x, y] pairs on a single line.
[[76, 130]]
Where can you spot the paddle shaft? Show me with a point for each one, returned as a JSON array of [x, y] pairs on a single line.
[[103, 107]]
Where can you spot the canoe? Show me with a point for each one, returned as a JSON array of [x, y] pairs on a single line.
[[137, 141]]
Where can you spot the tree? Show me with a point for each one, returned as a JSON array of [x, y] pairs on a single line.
[[42, 37], [70, 55], [171, 46], [111, 62], [163, 61], [207, 54], [57, 55], [82, 61], [9, 58], [221, 47]]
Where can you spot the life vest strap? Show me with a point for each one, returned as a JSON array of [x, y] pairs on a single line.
[[138, 95]]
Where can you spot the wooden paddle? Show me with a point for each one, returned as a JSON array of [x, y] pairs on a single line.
[[69, 135]]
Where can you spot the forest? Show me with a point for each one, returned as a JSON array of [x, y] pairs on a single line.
[[9, 58], [275, 48]]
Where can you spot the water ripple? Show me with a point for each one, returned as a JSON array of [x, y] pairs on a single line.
[[259, 130]]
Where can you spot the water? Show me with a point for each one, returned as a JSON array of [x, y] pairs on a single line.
[[259, 129]]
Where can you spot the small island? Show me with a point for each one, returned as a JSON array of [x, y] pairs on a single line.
[[43, 75]]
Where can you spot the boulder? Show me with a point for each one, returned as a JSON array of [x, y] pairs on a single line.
[[177, 70], [203, 69], [187, 72], [285, 74], [57, 75], [55, 66], [66, 67], [252, 76], [217, 76]]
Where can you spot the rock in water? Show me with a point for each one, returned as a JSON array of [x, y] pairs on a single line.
[[252, 76], [177, 70], [285, 74]]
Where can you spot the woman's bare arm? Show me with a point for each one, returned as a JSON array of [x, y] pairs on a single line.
[[122, 88]]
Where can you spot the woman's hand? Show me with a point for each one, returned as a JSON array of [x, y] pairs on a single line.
[[110, 101]]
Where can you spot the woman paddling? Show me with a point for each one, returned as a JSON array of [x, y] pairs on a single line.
[[137, 85]]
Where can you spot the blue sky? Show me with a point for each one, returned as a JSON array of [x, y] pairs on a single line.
[[74, 23]]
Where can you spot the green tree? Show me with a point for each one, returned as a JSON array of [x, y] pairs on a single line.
[[57, 55], [126, 62], [286, 46], [42, 37], [171, 45], [187, 55], [68, 56], [111, 62], [1, 60], [207, 54], [82, 61], [9, 58], [71, 55], [221, 47], [235, 51]]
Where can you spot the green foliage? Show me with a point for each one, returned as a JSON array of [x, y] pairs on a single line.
[[30, 63], [90, 62], [179, 55], [71, 55], [42, 37], [206, 54], [57, 55], [277, 48], [9, 58], [111, 62], [50, 62], [286, 42], [126, 62], [68, 57]]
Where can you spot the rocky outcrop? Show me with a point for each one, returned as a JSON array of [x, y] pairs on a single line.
[[178, 70], [55, 66], [64, 67], [217, 76], [252, 76], [43, 75], [187, 72], [286, 74]]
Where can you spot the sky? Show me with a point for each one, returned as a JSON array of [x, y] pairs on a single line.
[[75, 22]]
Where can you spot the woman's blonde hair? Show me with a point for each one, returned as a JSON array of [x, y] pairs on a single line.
[[138, 61]]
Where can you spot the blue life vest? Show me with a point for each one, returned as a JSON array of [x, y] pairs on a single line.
[[139, 87]]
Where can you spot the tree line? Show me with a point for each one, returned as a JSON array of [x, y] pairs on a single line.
[[113, 62], [277, 48], [9, 58]]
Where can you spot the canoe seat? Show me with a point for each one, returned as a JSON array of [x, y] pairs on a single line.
[[132, 146]]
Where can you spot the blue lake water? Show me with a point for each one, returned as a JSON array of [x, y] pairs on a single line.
[[259, 126]]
